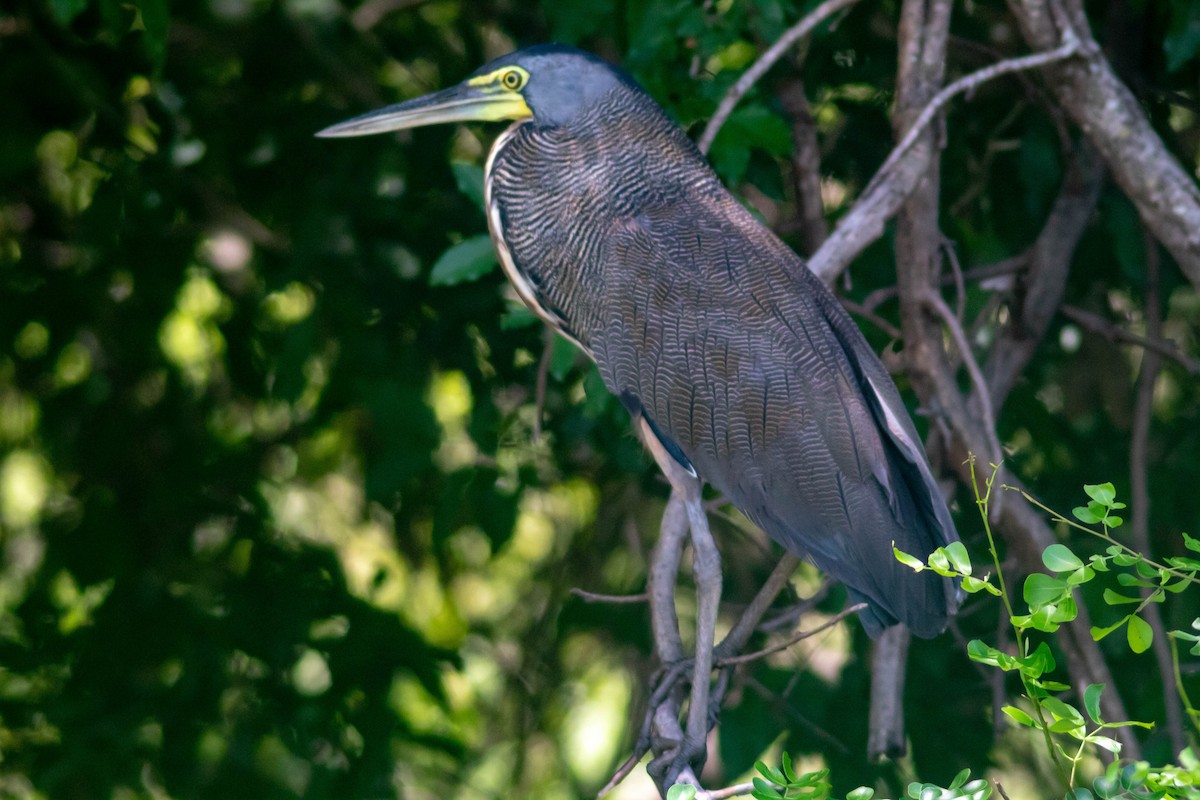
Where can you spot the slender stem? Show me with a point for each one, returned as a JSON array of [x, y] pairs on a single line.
[[1189, 577], [982, 503], [1022, 647], [1193, 714]]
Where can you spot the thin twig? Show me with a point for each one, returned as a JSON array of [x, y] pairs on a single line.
[[884, 195], [869, 315], [782, 703], [956, 272], [593, 597], [741, 631], [968, 83], [539, 392], [1115, 333], [764, 63], [1057, 517], [622, 772], [799, 637], [935, 302], [737, 790], [1007, 266]]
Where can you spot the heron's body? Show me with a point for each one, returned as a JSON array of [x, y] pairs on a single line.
[[613, 228]]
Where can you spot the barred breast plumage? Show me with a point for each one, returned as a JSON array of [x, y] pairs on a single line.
[[616, 232]]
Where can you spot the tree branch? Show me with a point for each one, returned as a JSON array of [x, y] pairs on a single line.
[[1165, 195], [1140, 491], [899, 175], [1115, 333], [764, 63], [1040, 285]]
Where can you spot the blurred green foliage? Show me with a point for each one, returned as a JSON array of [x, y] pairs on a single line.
[[273, 519]]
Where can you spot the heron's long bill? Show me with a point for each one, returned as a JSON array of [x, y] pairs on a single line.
[[462, 103]]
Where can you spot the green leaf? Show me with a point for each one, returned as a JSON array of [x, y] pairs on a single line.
[[959, 779], [1081, 576], [911, 562], [562, 357], [469, 260], [1183, 563], [770, 773], [973, 585], [468, 178], [1113, 521], [1126, 579], [939, 563], [1114, 599], [1020, 717], [154, 19], [1102, 493], [1063, 712], [67, 10], [957, 553], [861, 793], [1040, 589], [681, 791], [1086, 515], [1107, 742], [1039, 662], [1146, 570], [985, 654], [1091, 701], [1182, 40], [1191, 544], [1065, 726], [787, 768], [1100, 633], [1059, 558], [765, 791], [1055, 686], [1139, 634], [518, 316]]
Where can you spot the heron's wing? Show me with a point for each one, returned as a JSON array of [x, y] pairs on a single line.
[[749, 368]]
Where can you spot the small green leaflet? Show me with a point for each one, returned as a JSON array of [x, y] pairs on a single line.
[[468, 178], [1140, 634], [469, 260]]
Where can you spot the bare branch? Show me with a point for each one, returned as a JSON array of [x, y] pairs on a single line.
[[889, 659], [866, 313], [898, 176], [1115, 333], [806, 166], [741, 631], [737, 790], [1039, 289], [968, 83], [729, 661], [617, 599], [764, 63], [1140, 491], [1165, 195], [543, 372]]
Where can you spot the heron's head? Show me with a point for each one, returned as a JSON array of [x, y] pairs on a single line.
[[550, 84]]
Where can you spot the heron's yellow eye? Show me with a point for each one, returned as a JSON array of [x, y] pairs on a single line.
[[512, 80]]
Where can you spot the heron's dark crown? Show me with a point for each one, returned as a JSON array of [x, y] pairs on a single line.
[[563, 81]]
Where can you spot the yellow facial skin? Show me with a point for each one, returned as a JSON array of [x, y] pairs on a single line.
[[504, 88]]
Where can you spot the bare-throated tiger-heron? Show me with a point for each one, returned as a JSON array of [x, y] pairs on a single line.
[[740, 366]]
